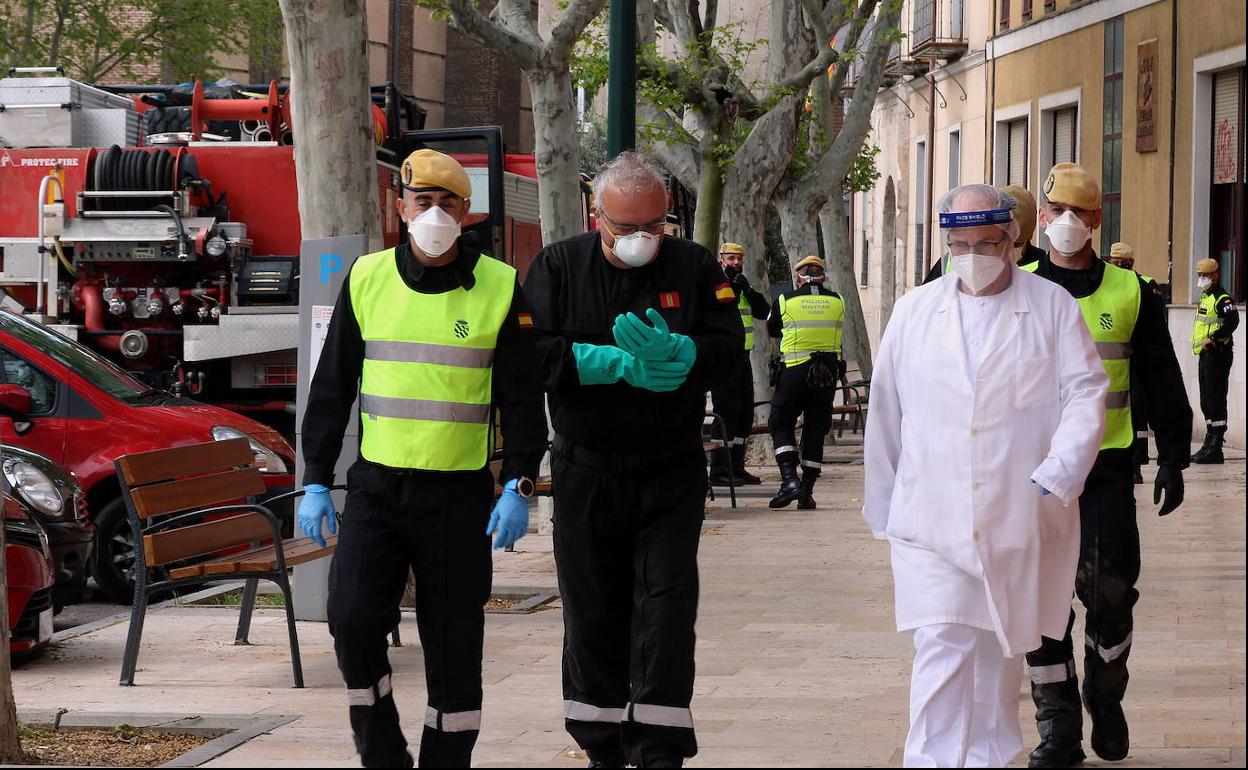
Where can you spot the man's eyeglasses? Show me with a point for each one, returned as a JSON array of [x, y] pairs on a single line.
[[979, 247], [620, 231]]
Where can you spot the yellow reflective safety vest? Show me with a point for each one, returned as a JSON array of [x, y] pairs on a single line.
[[1110, 313], [811, 324], [427, 382], [747, 320], [1207, 320]]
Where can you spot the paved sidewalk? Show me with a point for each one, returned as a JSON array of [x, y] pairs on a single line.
[[798, 663]]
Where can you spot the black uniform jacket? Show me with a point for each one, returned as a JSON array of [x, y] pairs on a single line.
[[1228, 313], [517, 394], [575, 295], [1153, 363], [775, 323]]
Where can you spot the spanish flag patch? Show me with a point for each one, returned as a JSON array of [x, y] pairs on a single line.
[[669, 300], [724, 294], [526, 320]]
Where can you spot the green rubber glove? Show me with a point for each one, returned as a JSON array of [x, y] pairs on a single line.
[[653, 343], [606, 364]]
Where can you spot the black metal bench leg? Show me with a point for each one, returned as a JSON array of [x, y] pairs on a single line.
[[284, 581], [732, 477], [394, 638], [129, 661], [245, 609]]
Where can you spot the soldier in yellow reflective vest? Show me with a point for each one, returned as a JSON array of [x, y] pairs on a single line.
[[1127, 322], [1122, 255], [434, 336], [733, 397], [808, 321], [1212, 341]]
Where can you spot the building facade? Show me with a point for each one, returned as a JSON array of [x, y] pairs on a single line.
[[1097, 82]]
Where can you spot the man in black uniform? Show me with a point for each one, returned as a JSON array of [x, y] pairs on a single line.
[[808, 322], [1025, 252], [627, 399], [1112, 300], [433, 334], [1213, 340], [733, 398]]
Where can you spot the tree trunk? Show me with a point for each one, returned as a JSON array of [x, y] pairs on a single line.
[[331, 116], [710, 200], [840, 253], [555, 150], [797, 227], [10, 746]]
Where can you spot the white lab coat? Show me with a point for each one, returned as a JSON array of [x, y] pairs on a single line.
[[949, 463]]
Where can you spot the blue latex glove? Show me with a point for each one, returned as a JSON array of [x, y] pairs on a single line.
[[606, 364], [510, 517], [316, 505], [1043, 492]]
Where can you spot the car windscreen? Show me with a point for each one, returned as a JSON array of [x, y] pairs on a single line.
[[90, 366]]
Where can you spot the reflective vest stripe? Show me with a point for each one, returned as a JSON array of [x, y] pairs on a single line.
[[418, 409], [1118, 399], [803, 354], [815, 325], [1109, 351], [428, 353], [1207, 320]]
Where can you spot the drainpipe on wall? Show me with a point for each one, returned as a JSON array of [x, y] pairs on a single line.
[[1174, 83], [990, 132]]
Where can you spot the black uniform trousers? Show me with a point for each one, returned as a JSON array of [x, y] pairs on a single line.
[[433, 525], [733, 399], [794, 398], [1109, 566], [1213, 373], [626, 552]]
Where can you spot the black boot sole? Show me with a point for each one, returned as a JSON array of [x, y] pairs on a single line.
[[782, 500], [1076, 758]]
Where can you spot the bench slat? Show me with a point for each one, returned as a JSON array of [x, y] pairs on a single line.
[[200, 539], [163, 464], [198, 492], [263, 559]]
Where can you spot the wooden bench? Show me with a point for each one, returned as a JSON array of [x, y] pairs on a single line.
[[188, 503]]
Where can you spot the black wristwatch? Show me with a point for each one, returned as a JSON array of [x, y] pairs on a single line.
[[525, 487]]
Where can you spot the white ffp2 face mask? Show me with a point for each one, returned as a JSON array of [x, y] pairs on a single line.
[[1204, 282], [637, 249], [978, 271], [1068, 233], [434, 231]]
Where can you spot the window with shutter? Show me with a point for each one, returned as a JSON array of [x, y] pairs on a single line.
[[1111, 137], [1064, 136], [1226, 128], [1016, 168]]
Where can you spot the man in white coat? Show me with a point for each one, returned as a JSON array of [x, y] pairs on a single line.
[[987, 409]]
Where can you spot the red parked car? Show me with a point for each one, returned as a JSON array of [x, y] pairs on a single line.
[[28, 566], [73, 406]]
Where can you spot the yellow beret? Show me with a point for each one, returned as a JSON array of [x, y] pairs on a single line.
[[1071, 185], [1025, 213], [426, 169], [731, 248], [1207, 266], [808, 261], [1121, 250]]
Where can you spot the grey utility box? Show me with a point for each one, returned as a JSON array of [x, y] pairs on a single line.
[[60, 112]]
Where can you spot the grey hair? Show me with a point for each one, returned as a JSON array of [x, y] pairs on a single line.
[[629, 172], [980, 197]]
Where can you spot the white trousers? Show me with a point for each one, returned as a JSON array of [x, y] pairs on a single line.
[[963, 699]]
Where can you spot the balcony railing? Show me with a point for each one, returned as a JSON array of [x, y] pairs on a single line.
[[937, 31]]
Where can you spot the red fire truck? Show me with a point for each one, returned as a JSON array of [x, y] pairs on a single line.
[[165, 235]]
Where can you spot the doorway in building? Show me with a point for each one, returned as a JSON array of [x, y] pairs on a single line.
[[1226, 192]]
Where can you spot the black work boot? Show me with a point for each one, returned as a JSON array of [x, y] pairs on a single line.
[[720, 470], [806, 499], [1059, 720], [1211, 452], [790, 487], [1104, 686], [744, 477]]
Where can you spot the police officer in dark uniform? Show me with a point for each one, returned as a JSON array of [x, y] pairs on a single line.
[[633, 328], [1127, 321], [1122, 255], [808, 320], [433, 334], [1025, 252], [733, 398], [1213, 341]]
